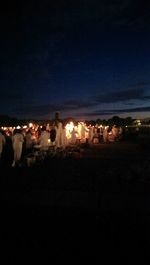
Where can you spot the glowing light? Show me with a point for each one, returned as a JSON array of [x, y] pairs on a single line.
[[69, 128], [30, 124]]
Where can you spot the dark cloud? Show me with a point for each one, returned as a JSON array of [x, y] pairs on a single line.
[[46, 109], [76, 104], [143, 83], [79, 105], [122, 96], [116, 112], [147, 97]]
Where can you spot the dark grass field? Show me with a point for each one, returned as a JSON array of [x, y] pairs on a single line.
[[87, 209]]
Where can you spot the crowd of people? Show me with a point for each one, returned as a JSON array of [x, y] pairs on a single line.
[[25, 140]]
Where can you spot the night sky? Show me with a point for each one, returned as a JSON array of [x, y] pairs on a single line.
[[86, 59]]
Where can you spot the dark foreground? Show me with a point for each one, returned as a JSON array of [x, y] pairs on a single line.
[[89, 210]]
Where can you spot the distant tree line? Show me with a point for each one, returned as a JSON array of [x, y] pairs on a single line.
[[115, 120], [11, 121]]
